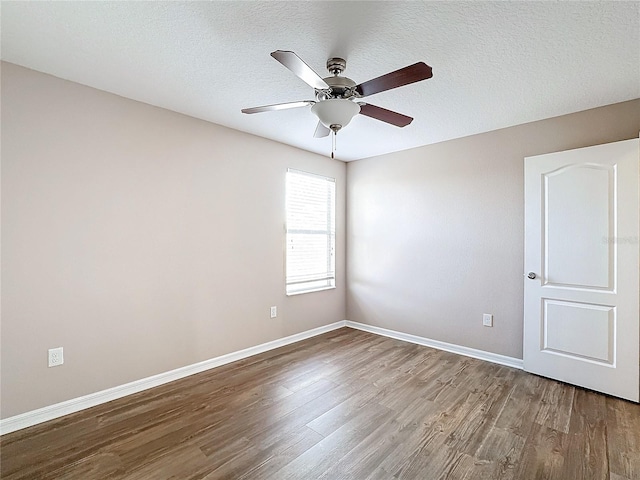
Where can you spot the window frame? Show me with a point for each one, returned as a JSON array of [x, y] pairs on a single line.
[[329, 232]]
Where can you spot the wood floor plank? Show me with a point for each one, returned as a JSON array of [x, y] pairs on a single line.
[[433, 457], [556, 405], [277, 458], [500, 445], [368, 455], [426, 447], [315, 461], [379, 474], [623, 450], [344, 405], [544, 455], [329, 422], [239, 461], [258, 417], [100, 465], [615, 476], [185, 461], [522, 404], [587, 455]]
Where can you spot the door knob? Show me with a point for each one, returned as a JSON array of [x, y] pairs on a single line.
[[531, 275]]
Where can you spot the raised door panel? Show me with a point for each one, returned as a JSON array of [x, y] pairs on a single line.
[[579, 330], [579, 218]]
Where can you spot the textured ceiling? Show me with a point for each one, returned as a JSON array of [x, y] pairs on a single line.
[[495, 64]]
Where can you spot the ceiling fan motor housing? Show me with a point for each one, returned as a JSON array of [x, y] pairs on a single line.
[[341, 87]]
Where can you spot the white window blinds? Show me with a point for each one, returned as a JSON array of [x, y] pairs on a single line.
[[311, 232]]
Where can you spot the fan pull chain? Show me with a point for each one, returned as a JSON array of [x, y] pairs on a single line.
[[333, 143]]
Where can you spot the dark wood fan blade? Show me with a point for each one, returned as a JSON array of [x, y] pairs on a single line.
[[294, 63], [411, 74], [384, 115], [278, 106], [321, 131]]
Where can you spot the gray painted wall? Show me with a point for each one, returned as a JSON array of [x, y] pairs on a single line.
[[435, 235], [138, 239]]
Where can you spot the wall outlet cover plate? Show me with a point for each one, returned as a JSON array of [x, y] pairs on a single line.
[[56, 357]]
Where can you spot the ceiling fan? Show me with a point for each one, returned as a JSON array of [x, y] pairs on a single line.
[[337, 97]]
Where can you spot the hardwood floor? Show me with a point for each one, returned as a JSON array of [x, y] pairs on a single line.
[[344, 405]]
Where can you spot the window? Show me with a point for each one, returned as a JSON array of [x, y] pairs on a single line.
[[311, 232]]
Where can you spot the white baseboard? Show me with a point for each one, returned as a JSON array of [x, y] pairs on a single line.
[[448, 347], [34, 417]]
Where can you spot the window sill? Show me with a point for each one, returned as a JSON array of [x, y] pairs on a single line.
[[310, 291]]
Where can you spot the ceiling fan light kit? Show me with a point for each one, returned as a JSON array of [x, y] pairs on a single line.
[[336, 97], [335, 113]]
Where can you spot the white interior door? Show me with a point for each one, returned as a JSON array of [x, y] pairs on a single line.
[[581, 318]]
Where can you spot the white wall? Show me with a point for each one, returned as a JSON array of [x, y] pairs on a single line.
[[138, 239], [435, 235]]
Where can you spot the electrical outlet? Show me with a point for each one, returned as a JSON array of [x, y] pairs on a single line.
[[274, 312], [56, 357], [487, 320]]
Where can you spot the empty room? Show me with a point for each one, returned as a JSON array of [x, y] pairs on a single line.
[[340, 240]]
